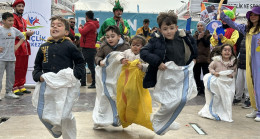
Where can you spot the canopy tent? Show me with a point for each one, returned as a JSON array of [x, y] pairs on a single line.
[[193, 8], [94, 5], [59, 7], [63, 7]]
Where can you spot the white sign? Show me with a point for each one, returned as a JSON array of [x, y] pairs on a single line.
[[37, 15]]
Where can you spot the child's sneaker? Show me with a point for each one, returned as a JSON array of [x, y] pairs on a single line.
[[246, 104], [252, 115], [257, 119], [11, 95]]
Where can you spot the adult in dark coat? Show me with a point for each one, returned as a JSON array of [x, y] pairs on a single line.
[[202, 37]]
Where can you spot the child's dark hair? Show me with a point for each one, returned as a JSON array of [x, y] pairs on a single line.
[[138, 37], [63, 20], [6, 15], [232, 51], [168, 17], [90, 15], [113, 29]]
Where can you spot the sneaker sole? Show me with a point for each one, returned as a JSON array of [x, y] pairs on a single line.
[[12, 97], [246, 107]]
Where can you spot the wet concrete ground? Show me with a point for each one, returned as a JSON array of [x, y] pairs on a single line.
[[23, 122], [86, 102]]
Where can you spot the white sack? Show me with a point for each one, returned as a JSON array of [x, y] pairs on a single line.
[[105, 111], [56, 97], [174, 87], [219, 94]]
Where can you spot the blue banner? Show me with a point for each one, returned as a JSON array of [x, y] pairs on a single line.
[[135, 20]]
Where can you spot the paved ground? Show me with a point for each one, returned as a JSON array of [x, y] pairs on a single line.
[[23, 122]]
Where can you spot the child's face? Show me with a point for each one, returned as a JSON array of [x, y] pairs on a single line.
[[58, 30], [112, 38], [254, 18], [168, 31], [226, 52], [9, 22], [136, 46]]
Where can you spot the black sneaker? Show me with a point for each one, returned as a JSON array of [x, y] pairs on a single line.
[[247, 104], [19, 93], [236, 101], [26, 92], [92, 86]]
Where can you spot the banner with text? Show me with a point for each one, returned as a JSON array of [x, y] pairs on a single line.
[[37, 15], [135, 20]]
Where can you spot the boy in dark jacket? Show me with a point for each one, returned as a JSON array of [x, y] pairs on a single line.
[[58, 54], [169, 44]]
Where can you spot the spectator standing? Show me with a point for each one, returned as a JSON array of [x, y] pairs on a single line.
[[145, 30], [117, 20], [87, 42], [23, 52], [202, 37], [7, 49]]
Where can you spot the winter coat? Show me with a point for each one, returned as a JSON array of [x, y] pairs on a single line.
[[129, 55], [154, 54], [218, 65], [140, 31], [203, 47], [21, 25], [242, 55], [105, 49], [54, 56], [89, 34]]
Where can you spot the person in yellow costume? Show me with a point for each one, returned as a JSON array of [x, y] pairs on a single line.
[[225, 34]]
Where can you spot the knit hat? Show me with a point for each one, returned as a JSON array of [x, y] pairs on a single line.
[[255, 10], [18, 2], [230, 14], [117, 6]]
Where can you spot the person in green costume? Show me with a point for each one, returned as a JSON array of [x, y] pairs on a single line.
[[116, 20]]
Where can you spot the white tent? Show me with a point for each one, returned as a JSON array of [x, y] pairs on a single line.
[[193, 8], [94, 5]]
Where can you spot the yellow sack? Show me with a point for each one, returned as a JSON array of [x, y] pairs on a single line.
[[134, 103]]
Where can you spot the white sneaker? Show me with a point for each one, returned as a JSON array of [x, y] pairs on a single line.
[[0, 98], [257, 119], [251, 115], [11, 95]]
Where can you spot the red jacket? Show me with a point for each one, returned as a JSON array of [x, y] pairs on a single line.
[[21, 25], [89, 34], [72, 32]]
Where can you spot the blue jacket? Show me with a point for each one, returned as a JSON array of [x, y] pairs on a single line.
[[154, 54]]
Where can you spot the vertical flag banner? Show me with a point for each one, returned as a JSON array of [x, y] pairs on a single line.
[[37, 15]]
